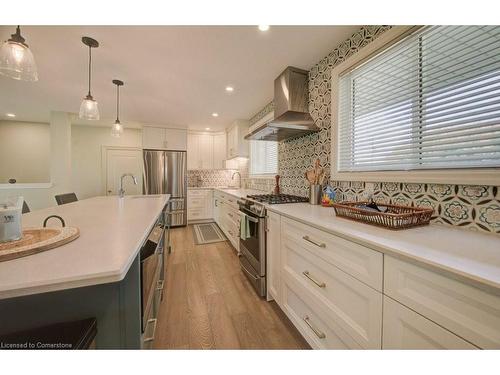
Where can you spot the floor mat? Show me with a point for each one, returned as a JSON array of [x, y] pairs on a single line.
[[207, 233]]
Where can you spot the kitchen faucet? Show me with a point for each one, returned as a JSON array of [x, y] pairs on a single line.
[[236, 173], [121, 192]]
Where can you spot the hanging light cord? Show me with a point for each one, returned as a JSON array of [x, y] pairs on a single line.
[[90, 67], [117, 102]]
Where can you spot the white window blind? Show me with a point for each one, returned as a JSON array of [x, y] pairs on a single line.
[[263, 157], [431, 101]]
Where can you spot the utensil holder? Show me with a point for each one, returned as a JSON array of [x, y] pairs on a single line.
[[315, 194]]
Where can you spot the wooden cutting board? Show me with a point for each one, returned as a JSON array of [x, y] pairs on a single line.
[[36, 240]]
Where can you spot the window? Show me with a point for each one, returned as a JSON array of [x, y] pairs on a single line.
[[430, 101], [263, 157]]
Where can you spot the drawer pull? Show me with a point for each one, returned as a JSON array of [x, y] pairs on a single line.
[[152, 337], [314, 242], [317, 332], [308, 275]]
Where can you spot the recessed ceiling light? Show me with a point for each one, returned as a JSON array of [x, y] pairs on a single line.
[[229, 88], [263, 27], [207, 128], [10, 115], [215, 114]]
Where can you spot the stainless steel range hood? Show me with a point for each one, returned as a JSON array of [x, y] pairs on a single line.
[[291, 109]]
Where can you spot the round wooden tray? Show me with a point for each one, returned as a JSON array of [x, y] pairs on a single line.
[[36, 240]]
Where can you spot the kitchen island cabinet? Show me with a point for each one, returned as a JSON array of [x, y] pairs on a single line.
[[97, 275]]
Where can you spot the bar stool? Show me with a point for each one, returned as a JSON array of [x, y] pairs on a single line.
[[65, 198]]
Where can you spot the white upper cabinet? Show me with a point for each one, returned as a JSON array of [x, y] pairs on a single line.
[[206, 153], [206, 150], [219, 150], [237, 145], [193, 151], [164, 138]]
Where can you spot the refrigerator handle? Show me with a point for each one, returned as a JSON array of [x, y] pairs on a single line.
[[165, 172]]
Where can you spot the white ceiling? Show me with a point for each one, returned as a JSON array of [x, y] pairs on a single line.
[[174, 75]]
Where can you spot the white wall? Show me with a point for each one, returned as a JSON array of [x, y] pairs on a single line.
[[24, 152], [60, 167], [86, 154]]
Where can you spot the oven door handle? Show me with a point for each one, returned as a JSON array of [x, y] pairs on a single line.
[[251, 218]]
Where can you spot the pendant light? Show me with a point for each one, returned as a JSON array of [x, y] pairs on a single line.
[[89, 109], [117, 128], [16, 59]]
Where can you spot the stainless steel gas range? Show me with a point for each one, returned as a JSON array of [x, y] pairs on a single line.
[[253, 247]]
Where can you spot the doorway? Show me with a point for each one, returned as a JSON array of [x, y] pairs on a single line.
[[119, 160]]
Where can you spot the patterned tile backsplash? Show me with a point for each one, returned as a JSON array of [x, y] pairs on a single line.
[[212, 177], [474, 207]]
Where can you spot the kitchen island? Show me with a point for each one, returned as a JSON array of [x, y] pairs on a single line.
[[97, 275]]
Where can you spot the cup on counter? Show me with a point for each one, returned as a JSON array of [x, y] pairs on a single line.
[[315, 192]]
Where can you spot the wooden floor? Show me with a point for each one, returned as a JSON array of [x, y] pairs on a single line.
[[209, 304]]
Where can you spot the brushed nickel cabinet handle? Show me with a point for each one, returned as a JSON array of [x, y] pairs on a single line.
[[316, 331], [318, 283], [152, 337], [314, 242]]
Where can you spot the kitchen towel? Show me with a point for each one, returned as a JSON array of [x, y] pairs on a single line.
[[244, 226]]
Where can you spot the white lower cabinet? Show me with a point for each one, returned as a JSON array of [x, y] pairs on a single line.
[[405, 329], [340, 295], [353, 305], [315, 325], [273, 248], [200, 205], [469, 312], [227, 217]]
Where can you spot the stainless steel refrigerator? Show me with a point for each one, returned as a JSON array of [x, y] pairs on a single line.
[[165, 172]]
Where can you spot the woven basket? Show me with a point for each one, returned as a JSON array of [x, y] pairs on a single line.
[[396, 217]]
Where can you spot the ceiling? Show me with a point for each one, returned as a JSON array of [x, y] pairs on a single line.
[[174, 75]]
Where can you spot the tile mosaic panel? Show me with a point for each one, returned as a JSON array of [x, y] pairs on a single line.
[[474, 207], [211, 177]]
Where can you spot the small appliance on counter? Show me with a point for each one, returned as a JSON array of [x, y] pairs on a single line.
[[315, 177], [10, 219]]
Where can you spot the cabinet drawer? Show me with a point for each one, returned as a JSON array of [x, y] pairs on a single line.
[[320, 333], [195, 202], [199, 193], [355, 306], [361, 262], [230, 200], [196, 213], [469, 312], [405, 329], [234, 217]]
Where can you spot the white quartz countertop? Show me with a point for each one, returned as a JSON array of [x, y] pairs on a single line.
[[208, 187], [240, 193], [111, 233], [470, 256]]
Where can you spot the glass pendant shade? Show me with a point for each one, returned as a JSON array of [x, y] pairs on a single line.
[[16, 59], [117, 129], [89, 109]]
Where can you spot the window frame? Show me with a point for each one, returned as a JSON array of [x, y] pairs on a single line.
[[268, 117], [465, 176]]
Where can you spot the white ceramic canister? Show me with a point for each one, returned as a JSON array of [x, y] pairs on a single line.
[[10, 219]]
